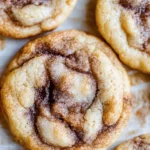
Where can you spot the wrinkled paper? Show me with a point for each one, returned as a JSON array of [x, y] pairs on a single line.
[[83, 18]]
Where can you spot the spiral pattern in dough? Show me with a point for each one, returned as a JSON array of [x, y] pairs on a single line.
[[136, 23], [141, 142], [25, 18], [66, 91], [125, 24]]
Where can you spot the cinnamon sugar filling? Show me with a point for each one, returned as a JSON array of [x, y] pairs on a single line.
[[57, 101], [140, 12]]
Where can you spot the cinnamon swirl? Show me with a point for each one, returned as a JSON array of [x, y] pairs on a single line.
[[125, 24], [25, 18], [66, 90], [139, 143]]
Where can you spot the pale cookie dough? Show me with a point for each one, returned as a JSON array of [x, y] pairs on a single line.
[[125, 25], [25, 18], [139, 143], [66, 90]]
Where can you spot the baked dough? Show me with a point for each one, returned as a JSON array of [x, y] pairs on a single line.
[[25, 18], [139, 143], [66, 90], [125, 25]]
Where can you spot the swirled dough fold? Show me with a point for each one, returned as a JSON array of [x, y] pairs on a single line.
[[59, 93], [22, 19], [125, 24]]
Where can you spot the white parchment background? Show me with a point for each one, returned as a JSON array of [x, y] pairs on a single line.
[[83, 18]]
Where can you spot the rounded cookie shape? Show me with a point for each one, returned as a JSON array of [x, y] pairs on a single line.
[[125, 25], [22, 19], [141, 142], [66, 90]]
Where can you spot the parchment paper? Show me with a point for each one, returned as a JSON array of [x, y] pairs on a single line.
[[83, 18]]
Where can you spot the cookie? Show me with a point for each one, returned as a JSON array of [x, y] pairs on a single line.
[[141, 142], [22, 19], [66, 90], [125, 25]]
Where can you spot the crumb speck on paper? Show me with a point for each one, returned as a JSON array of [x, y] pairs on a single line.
[[141, 96], [144, 111], [141, 105], [132, 132]]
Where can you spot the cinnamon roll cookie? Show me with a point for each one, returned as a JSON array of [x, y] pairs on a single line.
[[66, 91], [125, 25], [25, 18], [139, 143]]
